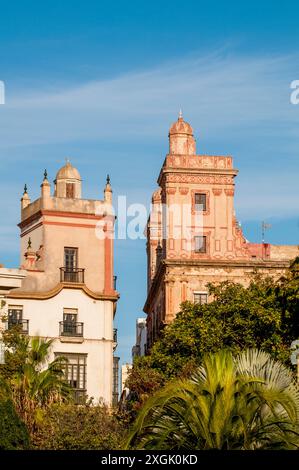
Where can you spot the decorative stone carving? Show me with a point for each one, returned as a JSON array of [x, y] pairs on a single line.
[[184, 191], [171, 191], [198, 179], [229, 192], [217, 191]]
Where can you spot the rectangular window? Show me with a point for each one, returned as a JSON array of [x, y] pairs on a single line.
[[70, 258], [200, 201], [200, 298], [70, 190], [200, 244], [70, 324], [15, 317], [75, 373]]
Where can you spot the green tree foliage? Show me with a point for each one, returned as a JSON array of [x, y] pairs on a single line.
[[287, 292], [246, 402], [264, 315], [142, 382], [73, 427], [13, 432], [33, 383]]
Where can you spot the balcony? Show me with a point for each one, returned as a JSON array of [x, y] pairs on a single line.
[[22, 324], [72, 275], [71, 329], [114, 335], [114, 339]]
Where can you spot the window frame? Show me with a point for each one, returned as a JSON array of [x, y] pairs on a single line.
[[204, 208], [201, 294], [76, 251], [81, 376], [204, 249]]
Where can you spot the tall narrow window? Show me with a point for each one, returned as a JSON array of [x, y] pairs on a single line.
[[70, 324], [70, 258], [200, 298], [200, 201], [71, 264], [15, 315], [200, 244], [70, 190], [75, 374]]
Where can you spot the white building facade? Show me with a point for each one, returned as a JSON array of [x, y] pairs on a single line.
[[139, 349], [69, 294]]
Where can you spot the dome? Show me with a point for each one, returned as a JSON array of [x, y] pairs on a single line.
[[68, 172], [180, 127]]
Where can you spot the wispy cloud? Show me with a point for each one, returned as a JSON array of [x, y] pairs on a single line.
[[238, 105], [220, 92]]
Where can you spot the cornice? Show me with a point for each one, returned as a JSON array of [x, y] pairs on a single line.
[[18, 294]]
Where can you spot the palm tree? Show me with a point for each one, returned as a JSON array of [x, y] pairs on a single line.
[[38, 383], [247, 402]]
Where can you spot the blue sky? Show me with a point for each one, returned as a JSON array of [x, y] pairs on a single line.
[[101, 83]]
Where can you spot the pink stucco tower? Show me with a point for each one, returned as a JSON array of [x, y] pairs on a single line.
[[193, 236]]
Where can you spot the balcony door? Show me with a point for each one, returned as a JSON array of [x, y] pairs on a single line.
[[70, 322], [15, 316], [71, 264]]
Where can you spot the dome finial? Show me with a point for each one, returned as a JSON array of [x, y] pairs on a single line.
[[45, 175], [25, 189], [108, 179], [181, 114]]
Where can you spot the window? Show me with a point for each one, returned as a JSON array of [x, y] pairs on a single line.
[[75, 373], [115, 385], [200, 298], [70, 264], [200, 244], [70, 325], [70, 190], [200, 201], [15, 317], [70, 258]]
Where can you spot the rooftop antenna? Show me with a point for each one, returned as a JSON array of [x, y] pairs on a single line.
[[265, 227]]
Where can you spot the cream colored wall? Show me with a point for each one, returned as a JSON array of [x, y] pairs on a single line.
[[125, 371], [62, 204], [56, 235], [287, 252], [36, 237], [97, 316], [90, 253], [11, 279]]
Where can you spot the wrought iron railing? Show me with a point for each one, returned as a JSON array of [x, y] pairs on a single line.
[[67, 328], [115, 335], [23, 324], [72, 275]]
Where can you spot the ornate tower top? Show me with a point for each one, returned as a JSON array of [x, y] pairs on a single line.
[[181, 139], [68, 182]]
